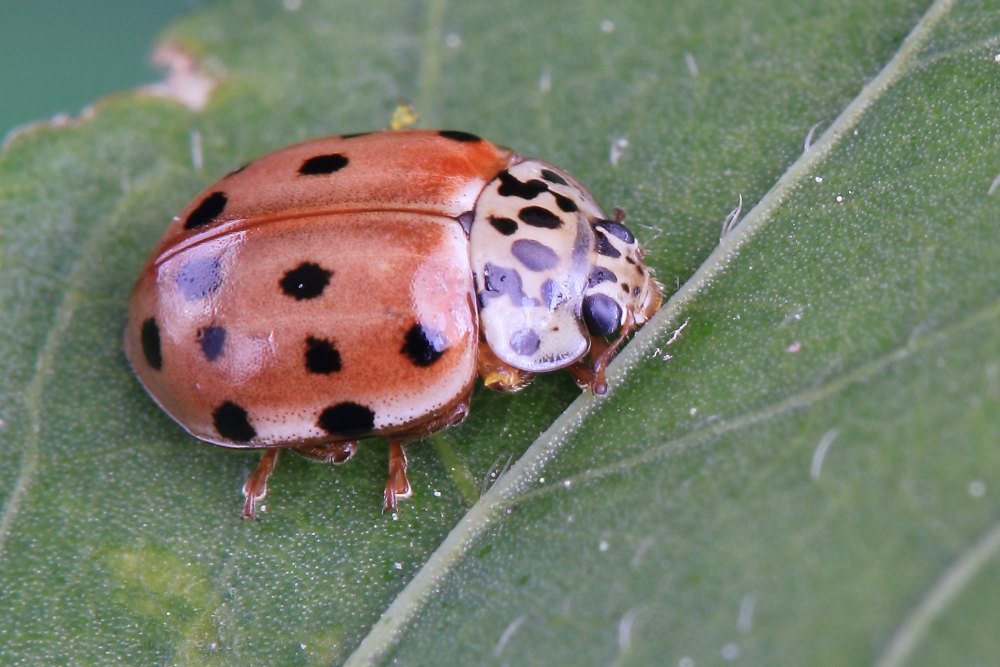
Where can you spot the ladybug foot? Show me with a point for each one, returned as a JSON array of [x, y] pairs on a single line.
[[497, 375], [397, 487], [255, 487], [591, 373]]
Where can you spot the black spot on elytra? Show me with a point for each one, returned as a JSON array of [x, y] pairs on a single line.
[[536, 216], [199, 277], [321, 356], [599, 275], [553, 177], [565, 203], [232, 422], [525, 342], [212, 340], [423, 346], [207, 211], [458, 135], [323, 164], [534, 255], [602, 314], [348, 419], [355, 135], [511, 187], [604, 246], [149, 336], [306, 281], [616, 229], [505, 226]]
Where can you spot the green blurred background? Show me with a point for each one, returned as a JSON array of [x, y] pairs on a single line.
[[58, 56]]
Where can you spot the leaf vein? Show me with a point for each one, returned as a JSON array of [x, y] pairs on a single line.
[[802, 399]]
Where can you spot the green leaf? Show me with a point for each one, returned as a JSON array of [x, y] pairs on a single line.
[[797, 460]]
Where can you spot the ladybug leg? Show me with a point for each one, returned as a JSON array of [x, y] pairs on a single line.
[[331, 452], [591, 373], [497, 375], [255, 487], [397, 487]]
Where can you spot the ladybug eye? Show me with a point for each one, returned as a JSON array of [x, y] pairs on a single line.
[[602, 315]]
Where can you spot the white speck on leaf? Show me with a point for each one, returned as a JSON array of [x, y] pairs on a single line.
[[977, 489], [677, 332], [640, 551], [507, 633], [618, 147], [607, 26], [197, 159], [732, 218], [689, 62], [495, 472], [545, 79], [994, 185], [820, 452], [792, 317], [625, 626], [807, 144]]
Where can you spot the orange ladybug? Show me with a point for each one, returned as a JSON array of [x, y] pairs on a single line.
[[355, 286]]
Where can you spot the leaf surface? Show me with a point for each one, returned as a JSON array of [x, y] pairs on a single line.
[[796, 463]]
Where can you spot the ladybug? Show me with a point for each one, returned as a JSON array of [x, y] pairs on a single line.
[[355, 286]]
